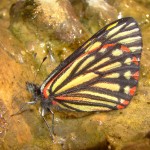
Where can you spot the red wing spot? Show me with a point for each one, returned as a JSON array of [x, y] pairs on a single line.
[[120, 106], [125, 102], [54, 103], [135, 60], [108, 45], [136, 75], [132, 90], [45, 92], [60, 98], [125, 49]]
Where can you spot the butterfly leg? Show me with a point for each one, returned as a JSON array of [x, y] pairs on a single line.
[[52, 121], [51, 129]]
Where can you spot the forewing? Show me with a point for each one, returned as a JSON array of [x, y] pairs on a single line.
[[102, 74]]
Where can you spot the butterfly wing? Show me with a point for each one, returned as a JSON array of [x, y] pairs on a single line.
[[102, 74]]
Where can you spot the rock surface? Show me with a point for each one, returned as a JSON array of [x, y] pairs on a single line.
[[24, 34]]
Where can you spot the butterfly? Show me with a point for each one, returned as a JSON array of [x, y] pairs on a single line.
[[101, 75]]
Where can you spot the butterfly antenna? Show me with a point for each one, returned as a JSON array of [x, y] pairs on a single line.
[[19, 111], [22, 107], [40, 67]]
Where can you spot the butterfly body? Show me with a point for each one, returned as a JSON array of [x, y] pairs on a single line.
[[100, 75]]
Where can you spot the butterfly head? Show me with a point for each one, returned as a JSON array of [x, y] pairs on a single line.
[[34, 90]]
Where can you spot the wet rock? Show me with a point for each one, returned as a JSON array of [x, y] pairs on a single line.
[[125, 129], [133, 8], [44, 26], [93, 14], [138, 145]]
